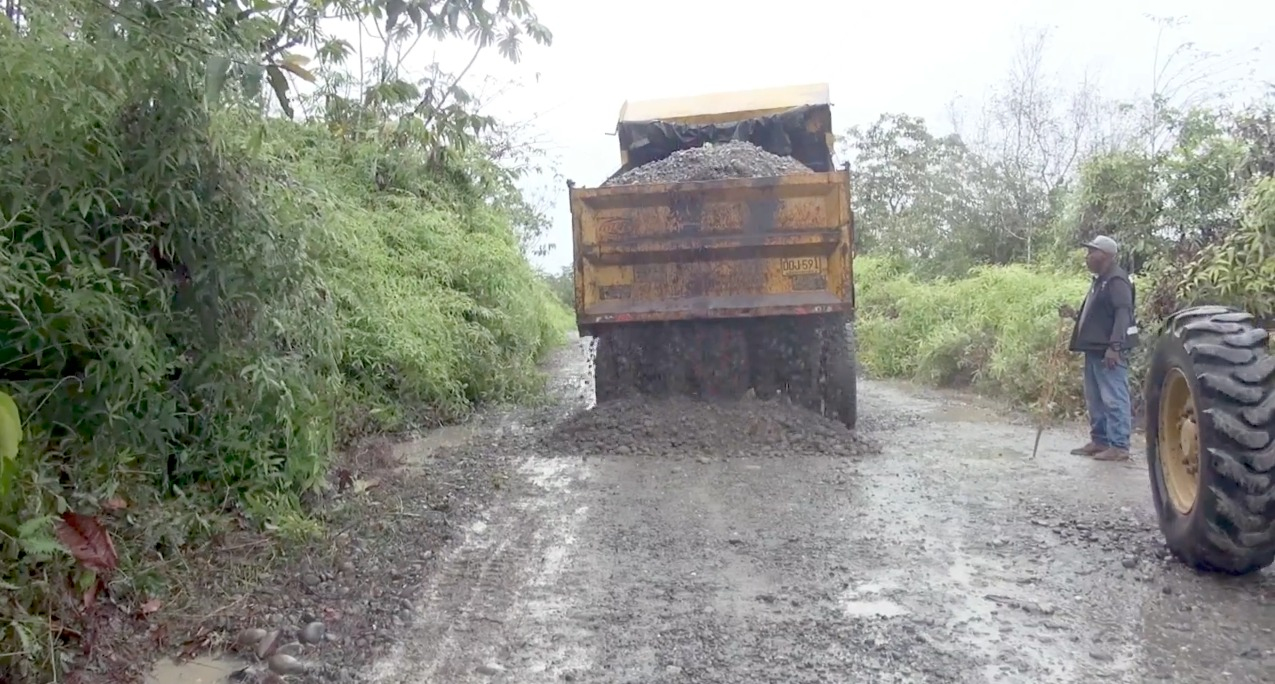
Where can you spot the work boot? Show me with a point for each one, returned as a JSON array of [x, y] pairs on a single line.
[[1112, 454], [1090, 449]]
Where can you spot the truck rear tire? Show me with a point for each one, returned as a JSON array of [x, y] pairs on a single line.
[[839, 377], [1211, 439], [613, 366]]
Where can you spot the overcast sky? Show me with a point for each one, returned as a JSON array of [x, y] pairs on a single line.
[[914, 57]]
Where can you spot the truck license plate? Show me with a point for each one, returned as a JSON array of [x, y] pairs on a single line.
[[801, 266]]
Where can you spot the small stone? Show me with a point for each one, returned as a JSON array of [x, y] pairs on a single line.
[[310, 580], [293, 649], [285, 664], [250, 637], [1130, 562], [489, 669], [1166, 590], [673, 670], [703, 460], [1101, 656], [268, 645], [312, 633]]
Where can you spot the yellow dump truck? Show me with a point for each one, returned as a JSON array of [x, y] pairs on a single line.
[[708, 286]]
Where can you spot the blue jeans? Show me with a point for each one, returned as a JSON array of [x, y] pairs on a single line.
[[1107, 396]]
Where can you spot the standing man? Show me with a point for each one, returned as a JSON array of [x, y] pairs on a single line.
[[1104, 333]]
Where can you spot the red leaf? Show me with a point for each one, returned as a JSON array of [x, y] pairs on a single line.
[[88, 541]]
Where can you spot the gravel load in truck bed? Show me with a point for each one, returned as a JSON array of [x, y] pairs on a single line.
[[735, 159]]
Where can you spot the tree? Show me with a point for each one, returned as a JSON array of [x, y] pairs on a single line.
[[928, 200], [261, 34], [1185, 78], [1035, 133]]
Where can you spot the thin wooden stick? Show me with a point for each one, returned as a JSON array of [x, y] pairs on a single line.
[[1057, 360]]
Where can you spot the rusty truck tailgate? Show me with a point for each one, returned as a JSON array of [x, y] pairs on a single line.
[[713, 249]]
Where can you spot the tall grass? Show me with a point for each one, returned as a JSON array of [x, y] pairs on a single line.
[[437, 305], [996, 331]]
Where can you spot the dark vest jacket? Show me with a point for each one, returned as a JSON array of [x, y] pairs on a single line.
[[1097, 318]]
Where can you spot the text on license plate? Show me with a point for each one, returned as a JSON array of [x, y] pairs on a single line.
[[801, 265]]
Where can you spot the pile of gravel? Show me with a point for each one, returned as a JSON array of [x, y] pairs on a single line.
[[735, 159], [682, 427]]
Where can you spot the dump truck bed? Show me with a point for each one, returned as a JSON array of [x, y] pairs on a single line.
[[713, 249], [720, 275]]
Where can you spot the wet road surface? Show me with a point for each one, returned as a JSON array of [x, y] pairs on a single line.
[[944, 554]]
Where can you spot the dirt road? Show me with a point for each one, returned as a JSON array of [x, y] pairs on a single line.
[[930, 548]]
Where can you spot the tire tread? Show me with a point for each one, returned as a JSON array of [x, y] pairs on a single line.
[[1235, 372]]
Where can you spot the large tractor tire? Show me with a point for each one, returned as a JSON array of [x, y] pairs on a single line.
[[1211, 439]]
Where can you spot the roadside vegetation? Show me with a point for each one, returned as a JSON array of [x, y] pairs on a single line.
[[562, 283], [969, 243], [223, 257]]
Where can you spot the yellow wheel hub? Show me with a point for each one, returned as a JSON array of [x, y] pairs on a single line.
[[1179, 442]]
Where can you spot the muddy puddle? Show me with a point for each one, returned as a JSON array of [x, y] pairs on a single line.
[[203, 670]]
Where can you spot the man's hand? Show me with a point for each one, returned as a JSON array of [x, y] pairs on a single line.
[[1066, 311], [1111, 358]]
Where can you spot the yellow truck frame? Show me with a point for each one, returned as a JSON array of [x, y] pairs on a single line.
[[721, 249], [730, 248]]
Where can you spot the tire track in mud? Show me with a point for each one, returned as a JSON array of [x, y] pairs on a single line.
[[934, 566], [513, 560], [546, 616], [465, 601], [999, 581]]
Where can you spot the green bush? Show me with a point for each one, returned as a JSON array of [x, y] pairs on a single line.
[[996, 331], [198, 307], [436, 305], [563, 285]]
